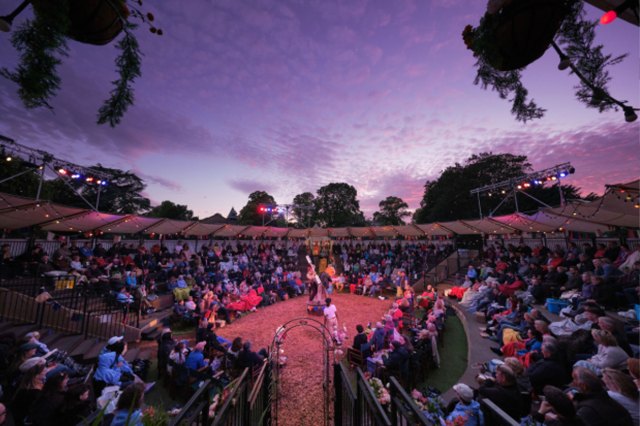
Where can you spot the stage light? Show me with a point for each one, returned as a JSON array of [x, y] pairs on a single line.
[[519, 187], [503, 192], [62, 171], [104, 183], [564, 63], [629, 114], [526, 184], [572, 170], [99, 182], [608, 17], [563, 174], [554, 178], [89, 179], [9, 158], [75, 176]]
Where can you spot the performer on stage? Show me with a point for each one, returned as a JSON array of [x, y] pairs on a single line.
[[330, 315]]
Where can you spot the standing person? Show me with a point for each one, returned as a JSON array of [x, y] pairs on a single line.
[[330, 315]]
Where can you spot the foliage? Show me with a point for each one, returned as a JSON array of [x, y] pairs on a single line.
[[448, 197], [249, 214], [170, 210], [430, 404], [128, 64], [576, 35], [25, 185], [392, 211], [41, 42], [337, 206], [380, 391], [154, 417], [304, 209]]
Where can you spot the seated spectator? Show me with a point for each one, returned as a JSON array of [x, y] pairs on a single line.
[[45, 410], [467, 408], [557, 409], [622, 389], [196, 362], [29, 390], [112, 368], [609, 355], [124, 297], [360, 338], [503, 391], [249, 358], [177, 356], [76, 406], [397, 361], [129, 407], [593, 405], [547, 371]]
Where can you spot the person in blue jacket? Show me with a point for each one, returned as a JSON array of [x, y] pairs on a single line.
[[112, 368], [467, 407]]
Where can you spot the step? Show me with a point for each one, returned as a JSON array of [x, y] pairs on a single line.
[[21, 330], [68, 342], [93, 352], [83, 347], [49, 337], [155, 320]]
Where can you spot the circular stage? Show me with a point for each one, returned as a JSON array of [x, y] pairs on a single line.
[[301, 380]]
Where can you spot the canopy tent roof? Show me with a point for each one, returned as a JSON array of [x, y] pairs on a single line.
[[615, 208]]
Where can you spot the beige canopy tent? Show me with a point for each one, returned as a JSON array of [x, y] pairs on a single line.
[[616, 208]]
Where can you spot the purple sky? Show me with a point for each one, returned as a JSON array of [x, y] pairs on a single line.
[[288, 96]]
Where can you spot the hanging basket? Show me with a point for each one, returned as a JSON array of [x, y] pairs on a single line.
[[95, 22], [523, 30]]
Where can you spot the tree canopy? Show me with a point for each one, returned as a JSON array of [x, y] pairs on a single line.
[[392, 211], [448, 197], [304, 209], [249, 214], [337, 206], [169, 210]]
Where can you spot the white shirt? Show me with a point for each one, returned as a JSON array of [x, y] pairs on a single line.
[[330, 311]]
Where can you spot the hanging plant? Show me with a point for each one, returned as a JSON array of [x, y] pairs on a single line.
[[42, 43], [514, 33]]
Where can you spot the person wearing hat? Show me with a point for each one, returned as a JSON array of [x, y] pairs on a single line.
[[112, 368], [467, 407], [556, 409]]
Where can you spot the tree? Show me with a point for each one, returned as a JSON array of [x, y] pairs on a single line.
[[304, 209], [336, 206], [448, 197], [169, 210], [123, 194], [25, 185], [249, 214], [392, 211]]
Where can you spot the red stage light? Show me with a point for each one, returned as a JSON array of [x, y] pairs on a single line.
[[608, 17], [62, 171]]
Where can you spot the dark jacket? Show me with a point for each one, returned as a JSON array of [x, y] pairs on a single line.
[[359, 340], [506, 397], [599, 409], [248, 359], [547, 371]]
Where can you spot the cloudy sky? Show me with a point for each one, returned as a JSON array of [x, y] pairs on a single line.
[[288, 96]]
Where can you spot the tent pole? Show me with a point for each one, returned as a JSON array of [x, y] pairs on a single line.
[[479, 204]]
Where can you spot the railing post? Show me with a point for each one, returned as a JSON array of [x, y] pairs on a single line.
[[337, 386], [85, 317]]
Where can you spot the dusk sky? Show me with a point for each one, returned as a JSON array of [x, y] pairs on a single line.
[[288, 96]]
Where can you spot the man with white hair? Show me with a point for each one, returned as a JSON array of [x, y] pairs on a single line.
[[466, 407]]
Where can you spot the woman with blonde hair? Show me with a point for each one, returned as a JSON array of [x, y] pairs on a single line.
[[609, 354], [621, 388]]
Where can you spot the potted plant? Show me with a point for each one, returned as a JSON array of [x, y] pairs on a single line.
[[42, 43], [514, 33]]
